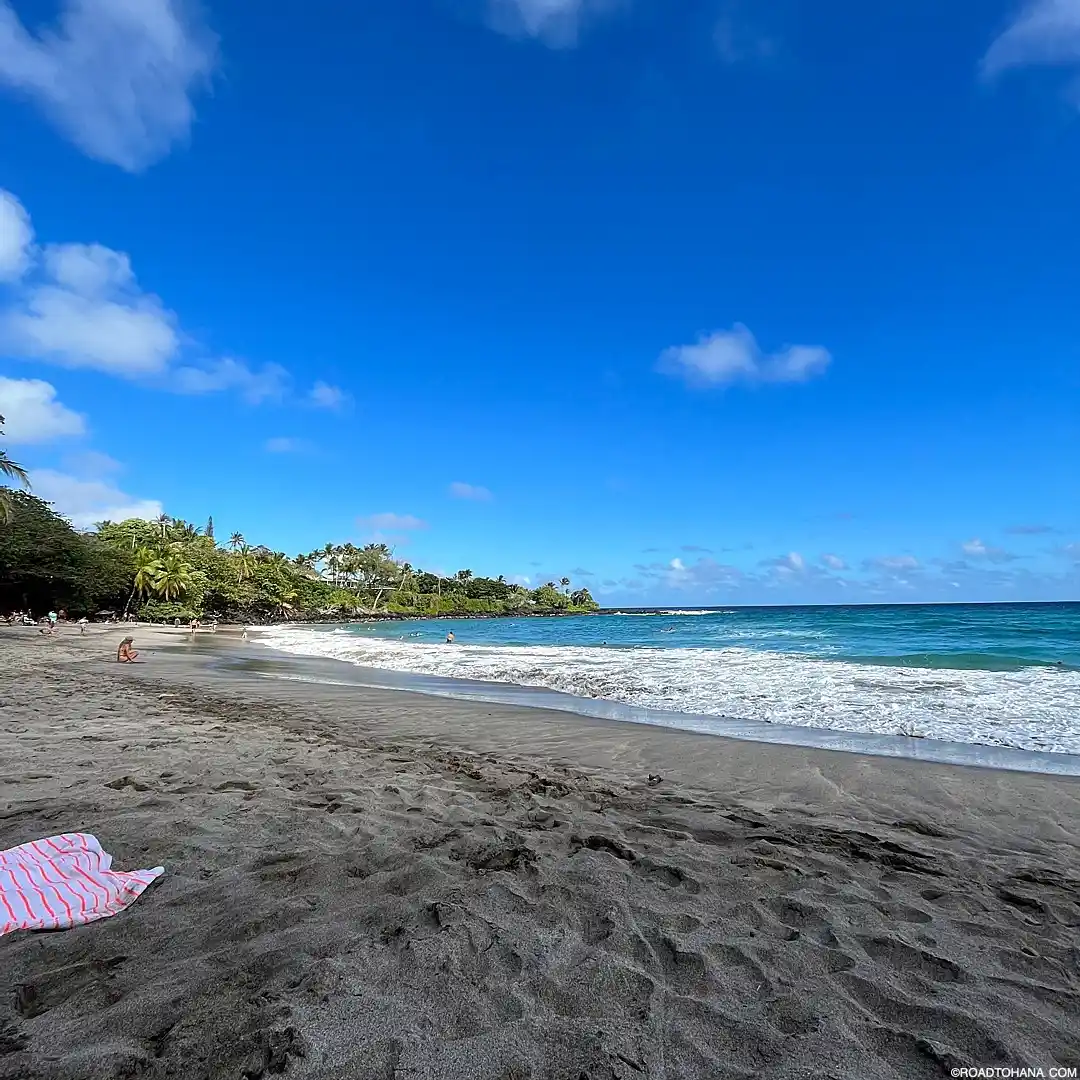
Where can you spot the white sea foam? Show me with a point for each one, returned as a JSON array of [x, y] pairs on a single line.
[[1029, 709]]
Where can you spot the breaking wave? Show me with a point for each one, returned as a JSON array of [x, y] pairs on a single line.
[[1028, 708]]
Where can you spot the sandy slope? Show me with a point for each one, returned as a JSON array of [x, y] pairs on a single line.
[[380, 885]]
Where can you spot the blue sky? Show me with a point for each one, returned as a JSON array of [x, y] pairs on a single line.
[[708, 302]]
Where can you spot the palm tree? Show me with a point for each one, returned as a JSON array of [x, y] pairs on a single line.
[[173, 577], [162, 521], [17, 473], [147, 566], [184, 530], [236, 541], [565, 583], [243, 563]]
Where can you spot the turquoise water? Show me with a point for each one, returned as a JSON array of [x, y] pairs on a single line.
[[990, 637], [1001, 674]]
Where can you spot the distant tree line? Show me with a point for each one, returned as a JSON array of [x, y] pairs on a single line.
[[168, 568]]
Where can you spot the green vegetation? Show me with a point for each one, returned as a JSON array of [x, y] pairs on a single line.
[[168, 569], [13, 471]]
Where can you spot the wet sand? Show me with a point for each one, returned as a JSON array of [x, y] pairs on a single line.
[[376, 884]]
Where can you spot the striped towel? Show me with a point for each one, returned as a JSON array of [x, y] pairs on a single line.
[[64, 881]]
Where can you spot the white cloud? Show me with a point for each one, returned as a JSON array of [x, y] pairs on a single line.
[[324, 396], [87, 311], [833, 562], [391, 523], [16, 236], [978, 550], [33, 415], [893, 563], [677, 565], [1044, 32], [791, 563], [285, 444], [732, 356], [115, 76], [555, 22], [82, 307], [88, 501], [460, 490], [268, 383]]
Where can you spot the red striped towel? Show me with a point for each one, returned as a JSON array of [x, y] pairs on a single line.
[[64, 881]]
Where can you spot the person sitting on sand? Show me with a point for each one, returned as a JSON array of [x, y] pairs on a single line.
[[126, 654]]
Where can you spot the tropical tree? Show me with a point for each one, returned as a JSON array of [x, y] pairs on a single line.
[[162, 521], [172, 578], [15, 472], [243, 563], [147, 568], [236, 541], [565, 583]]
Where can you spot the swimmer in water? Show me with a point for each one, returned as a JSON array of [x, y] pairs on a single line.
[[450, 638]]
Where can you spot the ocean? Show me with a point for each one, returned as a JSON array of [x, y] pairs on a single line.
[[993, 674]]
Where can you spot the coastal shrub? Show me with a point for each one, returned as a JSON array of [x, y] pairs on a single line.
[[165, 611]]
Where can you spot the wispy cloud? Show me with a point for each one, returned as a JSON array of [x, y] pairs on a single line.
[[1030, 530], [92, 465], [694, 549], [460, 490], [284, 444], [892, 563], [557, 23], [33, 414], [16, 237], [738, 40], [88, 501], [976, 549], [833, 562], [391, 523], [324, 396], [702, 577], [115, 76], [1044, 32], [81, 306], [733, 356], [791, 563], [255, 385]]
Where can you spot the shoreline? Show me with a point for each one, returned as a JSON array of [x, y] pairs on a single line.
[[914, 748], [366, 883]]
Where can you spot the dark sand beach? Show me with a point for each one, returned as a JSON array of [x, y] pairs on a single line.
[[389, 886]]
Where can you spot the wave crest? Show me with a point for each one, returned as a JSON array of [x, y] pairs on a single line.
[[1029, 709]]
